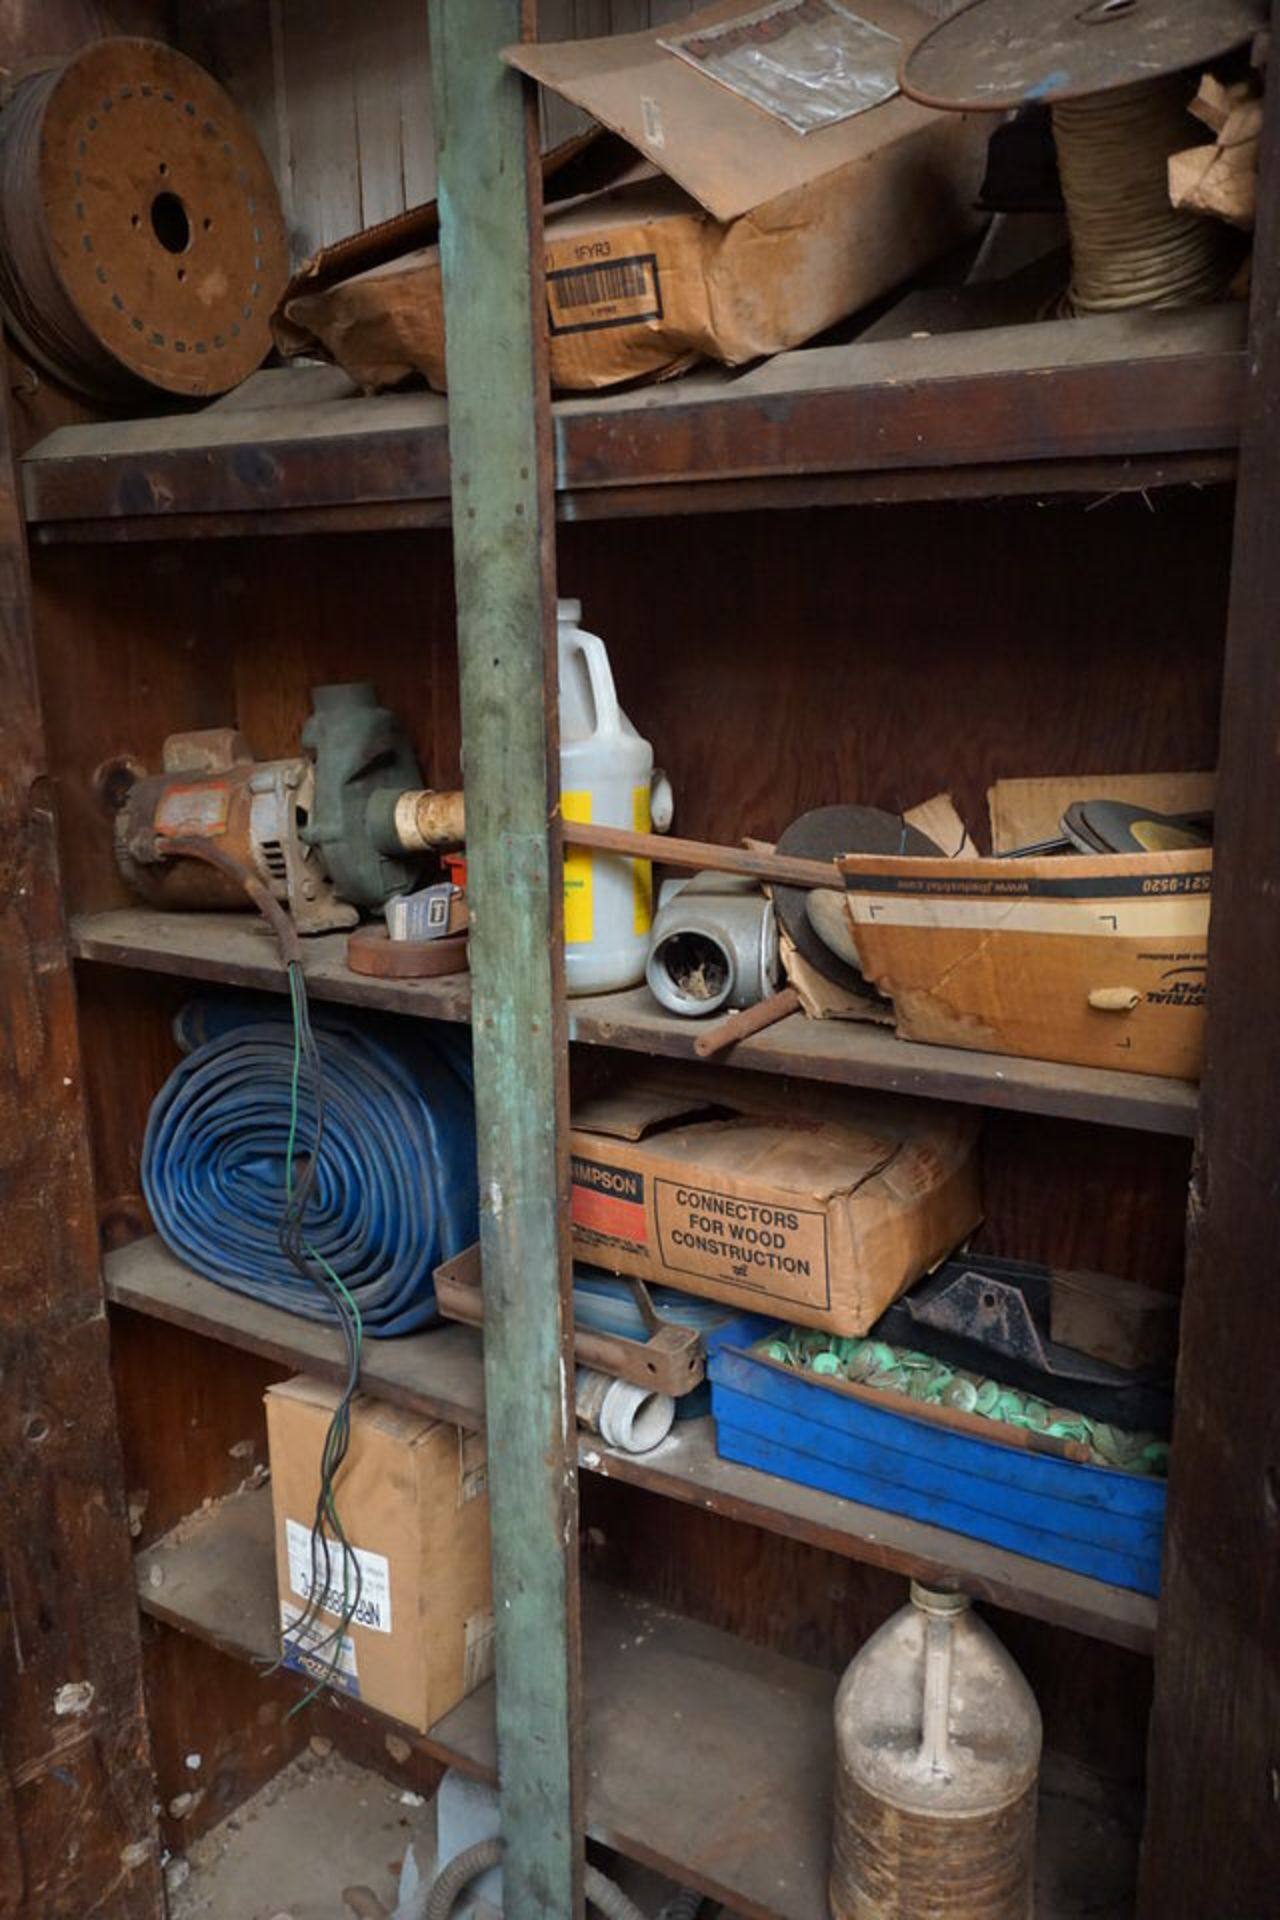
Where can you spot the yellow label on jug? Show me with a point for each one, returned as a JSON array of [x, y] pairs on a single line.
[[579, 920], [642, 870]]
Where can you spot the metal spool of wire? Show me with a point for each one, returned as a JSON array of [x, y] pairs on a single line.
[[141, 238], [1118, 76]]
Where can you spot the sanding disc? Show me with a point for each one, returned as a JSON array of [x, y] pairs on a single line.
[[826, 834], [142, 234], [1002, 53]]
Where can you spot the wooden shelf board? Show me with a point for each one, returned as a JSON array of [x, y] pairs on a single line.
[[687, 1467], [1047, 405], [237, 950], [441, 1373], [707, 1759]]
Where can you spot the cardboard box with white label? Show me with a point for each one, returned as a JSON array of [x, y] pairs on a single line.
[[821, 1212], [413, 1499]]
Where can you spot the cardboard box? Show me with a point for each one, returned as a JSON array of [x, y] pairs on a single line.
[[821, 1211], [739, 238], [413, 1497], [1094, 960]]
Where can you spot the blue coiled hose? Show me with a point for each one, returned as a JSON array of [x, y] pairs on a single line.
[[395, 1191]]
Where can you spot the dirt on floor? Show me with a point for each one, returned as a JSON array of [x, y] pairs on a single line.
[[320, 1827], [324, 1828]]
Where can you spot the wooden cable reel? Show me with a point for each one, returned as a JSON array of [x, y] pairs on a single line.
[[1117, 75], [142, 243]]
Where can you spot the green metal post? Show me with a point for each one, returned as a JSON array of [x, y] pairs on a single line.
[[489, 188]]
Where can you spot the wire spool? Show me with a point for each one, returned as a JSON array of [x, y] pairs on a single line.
[[1130, 247], [1118, 75], [142, 243]]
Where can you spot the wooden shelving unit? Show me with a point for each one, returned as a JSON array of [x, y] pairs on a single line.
[[925, 624], [236, 950], [441, 1373]]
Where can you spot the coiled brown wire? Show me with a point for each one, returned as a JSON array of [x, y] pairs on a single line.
[[1129, 246]]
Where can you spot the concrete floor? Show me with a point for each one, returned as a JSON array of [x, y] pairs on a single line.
[[321, 1826]]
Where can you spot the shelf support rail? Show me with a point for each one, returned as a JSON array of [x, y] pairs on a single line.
[[489, 189]]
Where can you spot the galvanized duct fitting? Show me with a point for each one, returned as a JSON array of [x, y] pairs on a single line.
[[714, 945], [141, 239]]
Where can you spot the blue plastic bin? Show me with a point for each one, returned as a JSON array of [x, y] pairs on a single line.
[[1094, 1520]]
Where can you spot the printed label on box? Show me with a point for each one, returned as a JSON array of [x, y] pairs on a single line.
[[779, 1251], [373, 1608], [604, 293], [607, 1203], [314, 1651]]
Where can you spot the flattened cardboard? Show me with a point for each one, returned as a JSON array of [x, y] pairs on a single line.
[[414, 1502], [1022, 956], [728, 154], [821, 1216]]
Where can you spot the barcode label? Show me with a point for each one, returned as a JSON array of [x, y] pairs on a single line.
[[373, 1609], [609, 293]]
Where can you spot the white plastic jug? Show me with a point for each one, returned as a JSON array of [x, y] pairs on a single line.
[[606, 779]]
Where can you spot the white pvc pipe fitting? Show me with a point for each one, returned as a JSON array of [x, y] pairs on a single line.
[[632, 1419]]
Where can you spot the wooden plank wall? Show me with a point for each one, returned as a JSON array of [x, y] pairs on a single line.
[[1213, 1823], [77, 1830], [340, 94]]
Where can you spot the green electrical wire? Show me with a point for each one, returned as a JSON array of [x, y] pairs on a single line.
[[302, 1633]]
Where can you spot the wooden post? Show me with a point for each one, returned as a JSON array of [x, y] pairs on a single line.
[[77, 1817], [489, 186], [1212, 1843]]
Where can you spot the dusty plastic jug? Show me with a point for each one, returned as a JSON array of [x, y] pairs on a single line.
[[607, 779], [937, 1760]]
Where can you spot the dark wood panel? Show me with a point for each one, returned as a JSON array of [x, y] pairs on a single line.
[[192, 1423], [74, 1748], [1213, 1827], [1073, 1196], [128, 653], [1095, 481], [782, 662], [126, 1030], [134, 646]]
